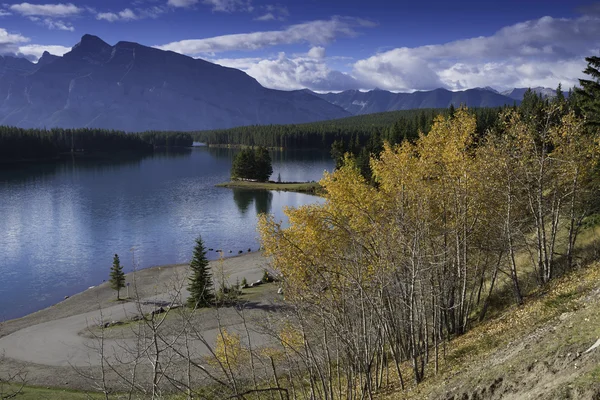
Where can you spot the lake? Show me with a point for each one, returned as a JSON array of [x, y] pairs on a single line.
[[61, 223]]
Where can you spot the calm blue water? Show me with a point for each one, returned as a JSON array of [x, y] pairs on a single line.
[[61, 223]]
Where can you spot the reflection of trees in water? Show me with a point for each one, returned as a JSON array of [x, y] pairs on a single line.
[[262, 200], [172, 152], [94, 162]]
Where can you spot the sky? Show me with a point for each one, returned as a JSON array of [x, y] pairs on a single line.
[[334, 45]]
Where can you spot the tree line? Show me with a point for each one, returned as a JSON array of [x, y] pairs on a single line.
[[17, 144], [319, 134]]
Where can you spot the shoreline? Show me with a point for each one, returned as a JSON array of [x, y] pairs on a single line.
[[102, 294], [299, 187], [51, 344]]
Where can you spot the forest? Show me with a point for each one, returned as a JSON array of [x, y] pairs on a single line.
[[18, 144], [354, 131]]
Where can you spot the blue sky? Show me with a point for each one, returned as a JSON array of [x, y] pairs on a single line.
[[332, 45]]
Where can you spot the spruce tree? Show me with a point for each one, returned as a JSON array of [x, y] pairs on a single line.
[[263, 167], [117, 276], [200, 284], [589, 93]]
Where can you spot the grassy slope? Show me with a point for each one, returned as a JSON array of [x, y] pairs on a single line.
[[534, 351]]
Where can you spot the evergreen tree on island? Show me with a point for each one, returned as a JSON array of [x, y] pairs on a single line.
[[252, 165], [117, 276], [200, 284]]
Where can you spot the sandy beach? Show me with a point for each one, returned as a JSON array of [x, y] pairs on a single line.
[[50, 344]]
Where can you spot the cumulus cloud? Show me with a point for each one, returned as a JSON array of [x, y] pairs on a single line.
[[9, 42], [290, 73], [46, 10], [34, 52], [539, 52], [124, 15], [316, 52], [314, 32]]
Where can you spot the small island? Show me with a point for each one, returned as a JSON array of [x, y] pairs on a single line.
[[252, 168], [301, 187]]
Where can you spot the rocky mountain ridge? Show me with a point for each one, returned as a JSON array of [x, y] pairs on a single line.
[[135, 88]]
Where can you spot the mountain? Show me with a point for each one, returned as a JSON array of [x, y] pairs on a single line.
[[46, 58], [374, 101], [135, 88], [518, 93]]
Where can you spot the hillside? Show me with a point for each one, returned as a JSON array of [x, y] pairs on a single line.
[[544, 350], [132, 87]]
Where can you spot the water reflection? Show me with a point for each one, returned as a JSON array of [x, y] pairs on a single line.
[[262, 200], [61, 223]]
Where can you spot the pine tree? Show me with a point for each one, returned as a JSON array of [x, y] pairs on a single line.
[[117, 276], [590, 91], [200, 284], [263, 167]]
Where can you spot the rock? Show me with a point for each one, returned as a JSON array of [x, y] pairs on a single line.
[[594, 346], [66, 297], [249, 250], [136, 318], [210, 249], [107, 325], [280, 291], [230, 251], [240, 252], [158, 311], [258, 282], [116, 323]]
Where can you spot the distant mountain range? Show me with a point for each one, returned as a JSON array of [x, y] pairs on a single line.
[[374, 101], [135, 88]]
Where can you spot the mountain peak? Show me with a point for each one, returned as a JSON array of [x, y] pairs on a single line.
[[46, 58], [91, 43], [91, 48]]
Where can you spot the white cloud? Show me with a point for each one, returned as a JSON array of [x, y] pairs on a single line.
[[60, 25], [4, 13], [299, 72], [182, 3], [46, 10], [538, 52], [35, 51], [124, 15], [265, 17], [314, 32], [274, 12], [317, 52], [9, 42], [229, 5], [10, 38]]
